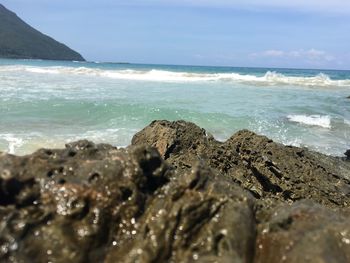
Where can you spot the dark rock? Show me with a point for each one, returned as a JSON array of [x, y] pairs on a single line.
[[197, 216], [304, 232], [238, 201], [267, 169], [95, 203], [63, 207], [347, 154]]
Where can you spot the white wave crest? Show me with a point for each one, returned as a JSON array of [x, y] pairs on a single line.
[[323, 121], [270, 78], [43, 70], [13, 143], [319, 80]]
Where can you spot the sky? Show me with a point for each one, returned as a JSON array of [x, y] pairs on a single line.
[[256, 33]]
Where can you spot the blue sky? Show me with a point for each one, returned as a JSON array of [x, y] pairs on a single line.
[[270, 33]]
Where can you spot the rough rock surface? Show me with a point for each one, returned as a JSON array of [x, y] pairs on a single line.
[[268, 170], [175, 195], [304, 232], [347, 154]]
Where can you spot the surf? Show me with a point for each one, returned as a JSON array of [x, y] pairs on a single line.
[[323, 121], [270, 78]]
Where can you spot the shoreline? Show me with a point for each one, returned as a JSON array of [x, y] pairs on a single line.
[[175, 195]]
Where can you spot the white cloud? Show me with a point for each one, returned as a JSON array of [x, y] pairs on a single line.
[[311, 55]]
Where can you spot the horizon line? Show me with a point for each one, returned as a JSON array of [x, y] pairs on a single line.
[[183, 65]]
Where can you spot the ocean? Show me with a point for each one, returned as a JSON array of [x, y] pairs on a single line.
[[50, 103]]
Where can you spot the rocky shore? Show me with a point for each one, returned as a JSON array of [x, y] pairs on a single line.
[[175, 195]]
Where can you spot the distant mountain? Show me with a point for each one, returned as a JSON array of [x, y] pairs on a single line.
[[20, 40]]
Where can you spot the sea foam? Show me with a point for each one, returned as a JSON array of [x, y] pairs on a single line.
[[270, 78], [323, 121], [13, 142]]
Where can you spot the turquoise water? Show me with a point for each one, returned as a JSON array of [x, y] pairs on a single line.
[[50, 103]]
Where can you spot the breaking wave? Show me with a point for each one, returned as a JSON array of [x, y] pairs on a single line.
[[13, 142], [270, 77], [323, 121]]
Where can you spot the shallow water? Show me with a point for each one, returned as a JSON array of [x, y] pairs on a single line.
[[50, 103]]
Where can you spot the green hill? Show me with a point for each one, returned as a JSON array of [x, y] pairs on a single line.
[[20, 40]]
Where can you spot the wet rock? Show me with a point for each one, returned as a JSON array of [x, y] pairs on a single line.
[[197, 216], [95, 203], [304, 232], [267, 169], [63, 207], [175, 195], [347, 154]]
